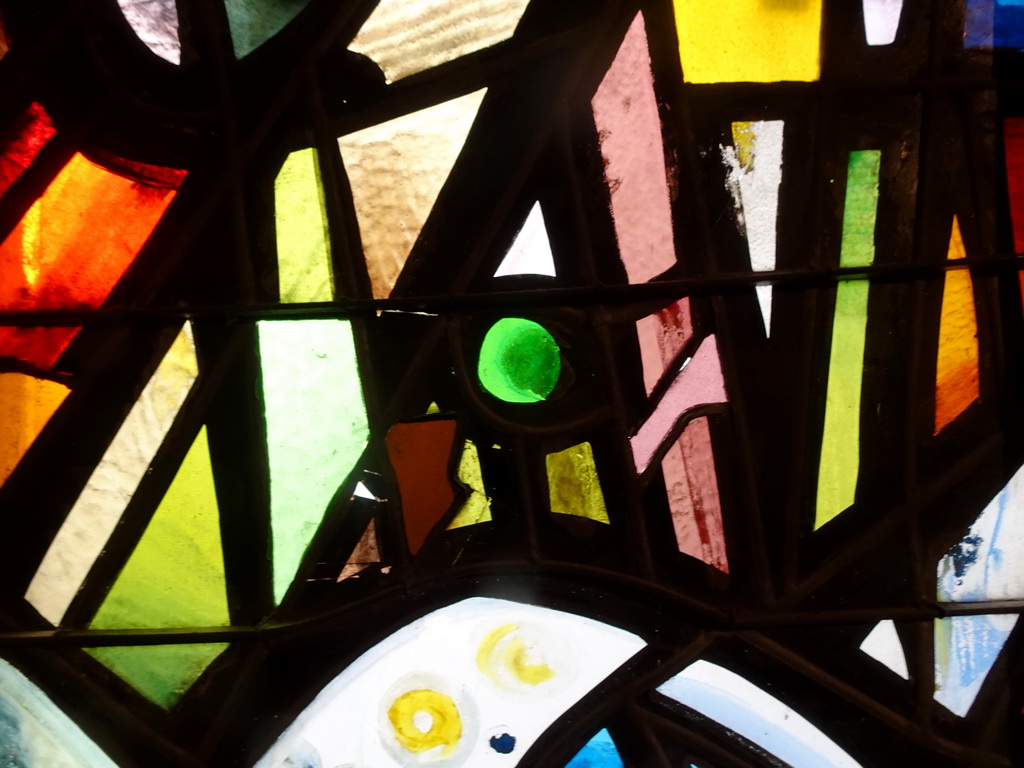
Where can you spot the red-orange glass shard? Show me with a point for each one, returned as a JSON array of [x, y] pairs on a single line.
[[693, 498], [1013, 141], [420, 454], [74, 243], [27, 136], [956, 369]]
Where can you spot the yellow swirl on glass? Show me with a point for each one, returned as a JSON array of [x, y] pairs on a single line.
[[503, 652]]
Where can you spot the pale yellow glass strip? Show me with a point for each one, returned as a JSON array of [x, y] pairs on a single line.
[[303, 248], [408, 36], [762, 41], [99, 508], [477, 508], [396, 171]]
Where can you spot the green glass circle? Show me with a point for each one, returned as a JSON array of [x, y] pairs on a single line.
[[519, 361]]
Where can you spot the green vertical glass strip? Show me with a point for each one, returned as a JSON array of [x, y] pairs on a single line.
[[253, 22], [162, 673], [316, 429], [573, 484], [303, 250], [174, 578], [840, 444]]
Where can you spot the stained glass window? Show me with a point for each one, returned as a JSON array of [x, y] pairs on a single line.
[[587, 383]]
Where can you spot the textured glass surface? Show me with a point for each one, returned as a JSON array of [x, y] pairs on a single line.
[[881, 20], [691, 482], [698, 382], [396, 171], [316, 429], [253, 22], [408, 36], [96, 513], [303, 244], [72, 246], [840, 444], [492, 667], [26, 404], [574, 486], [477, 508], [519, 361], [629, 131], [34, 733], [156, 24], [662, 336], [754, 163], [761, 41], [754, 714], [956, 372]]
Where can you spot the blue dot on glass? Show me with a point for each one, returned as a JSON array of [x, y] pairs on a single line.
[[504, 743]]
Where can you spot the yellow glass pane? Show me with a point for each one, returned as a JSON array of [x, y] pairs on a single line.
[[573, 484], [303, 249], [477, 508], [761, 41]]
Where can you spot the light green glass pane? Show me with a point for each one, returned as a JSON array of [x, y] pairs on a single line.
[[175, 576], [519, 361], [161, 673], [316, 429], [860, 209], [840, 445], [477, 508], [253, 22], [303, 250], [573, 484]]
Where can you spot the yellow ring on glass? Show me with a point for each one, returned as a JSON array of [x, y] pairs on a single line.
[[445, 728]]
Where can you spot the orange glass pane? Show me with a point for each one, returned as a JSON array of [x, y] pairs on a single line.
[[73, 245], [956, 370], [26, 404], [420, 453]]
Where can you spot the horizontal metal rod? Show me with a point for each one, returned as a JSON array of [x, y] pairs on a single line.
[[525, 299], [740, 621]]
